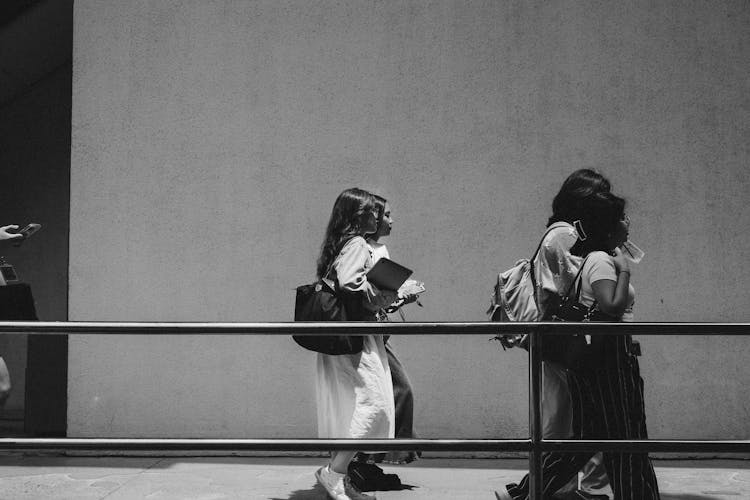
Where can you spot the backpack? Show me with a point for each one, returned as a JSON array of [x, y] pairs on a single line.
[[515, 296]]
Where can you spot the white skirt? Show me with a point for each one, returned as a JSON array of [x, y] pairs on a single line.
[[355, 393]]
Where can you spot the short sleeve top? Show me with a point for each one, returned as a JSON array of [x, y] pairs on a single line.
[[554, 266], [601, 266]]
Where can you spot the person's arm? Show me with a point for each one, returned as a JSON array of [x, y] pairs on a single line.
[[555, 267], [350, 266], [612, 296], [6, 235]]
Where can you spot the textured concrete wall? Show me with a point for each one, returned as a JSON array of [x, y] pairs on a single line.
[[211, 138]]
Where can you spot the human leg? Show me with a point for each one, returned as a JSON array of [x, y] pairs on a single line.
[[591, 481], [355, 401], [557, 470], [631, 475], [332, 482], [364, 474]]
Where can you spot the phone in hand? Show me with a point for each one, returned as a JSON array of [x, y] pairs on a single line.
[[30, 229], [26, 232]]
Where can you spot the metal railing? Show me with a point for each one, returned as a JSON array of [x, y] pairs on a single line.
[[535, 445]]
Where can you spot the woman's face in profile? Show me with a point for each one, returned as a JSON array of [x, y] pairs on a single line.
[[386, 224], [621, 233]]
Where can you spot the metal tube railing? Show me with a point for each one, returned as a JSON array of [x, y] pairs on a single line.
[[535, 414], [364, 328], [535, 445], [486, 445]]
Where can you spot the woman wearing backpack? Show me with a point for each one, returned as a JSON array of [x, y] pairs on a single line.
[[354, 391], [607, 391], [555, 269]]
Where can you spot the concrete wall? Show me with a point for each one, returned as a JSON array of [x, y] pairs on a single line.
[[211, 138]]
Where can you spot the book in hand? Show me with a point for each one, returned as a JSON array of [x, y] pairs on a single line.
[[387, 275]]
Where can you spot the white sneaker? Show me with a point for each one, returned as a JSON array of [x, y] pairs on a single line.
[[333, 482], [503, 495]]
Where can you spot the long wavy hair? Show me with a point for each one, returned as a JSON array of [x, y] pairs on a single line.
[[347, 221], [566, 207]]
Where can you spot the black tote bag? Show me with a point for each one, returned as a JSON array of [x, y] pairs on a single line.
[[321, 302]]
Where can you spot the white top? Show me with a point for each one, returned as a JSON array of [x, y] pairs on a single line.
[[355, 391], [379, 250], [350, 270], [555, 267], [601, 266]]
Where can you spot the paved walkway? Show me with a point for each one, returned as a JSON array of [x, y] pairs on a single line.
[[285, 478]]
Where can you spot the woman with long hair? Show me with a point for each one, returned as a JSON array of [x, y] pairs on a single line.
[[606, 392], [354, 391]]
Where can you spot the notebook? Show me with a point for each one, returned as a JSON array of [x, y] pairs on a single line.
[[388, 275]]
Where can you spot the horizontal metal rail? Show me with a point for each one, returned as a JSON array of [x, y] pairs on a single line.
[[534, 446], [268, 444], [364, 328], [456, 445]]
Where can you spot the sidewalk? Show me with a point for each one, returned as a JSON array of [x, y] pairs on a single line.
[[291, 478]]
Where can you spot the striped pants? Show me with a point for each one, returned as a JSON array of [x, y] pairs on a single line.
[[607, 404]]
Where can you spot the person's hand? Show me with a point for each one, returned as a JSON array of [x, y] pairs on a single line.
[[5, 235], [621, 263], [389, 296], [408, 298], [410, 290]]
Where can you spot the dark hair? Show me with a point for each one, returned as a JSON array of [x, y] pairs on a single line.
[[345, 223], [600, 216], [579, 185], [380, 207]]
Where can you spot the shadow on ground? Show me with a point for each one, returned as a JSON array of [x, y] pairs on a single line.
[[315, 493], [318, 492]]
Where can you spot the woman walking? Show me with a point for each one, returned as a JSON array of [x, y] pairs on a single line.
[[555, 268], [363, 471], [354, 392], [606, 391]]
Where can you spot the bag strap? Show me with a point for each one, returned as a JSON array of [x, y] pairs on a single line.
[[327, 281], [579, 279], [534, 284], [576, 280]]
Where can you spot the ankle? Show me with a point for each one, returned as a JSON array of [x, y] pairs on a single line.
[[332, 470]]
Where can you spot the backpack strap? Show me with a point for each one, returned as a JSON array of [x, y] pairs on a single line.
[[532, 270]]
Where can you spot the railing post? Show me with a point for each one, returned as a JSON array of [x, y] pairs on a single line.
[[535, 414]]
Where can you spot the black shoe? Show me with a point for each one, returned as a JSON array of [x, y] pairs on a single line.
[[370, 477], [355, 493]]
